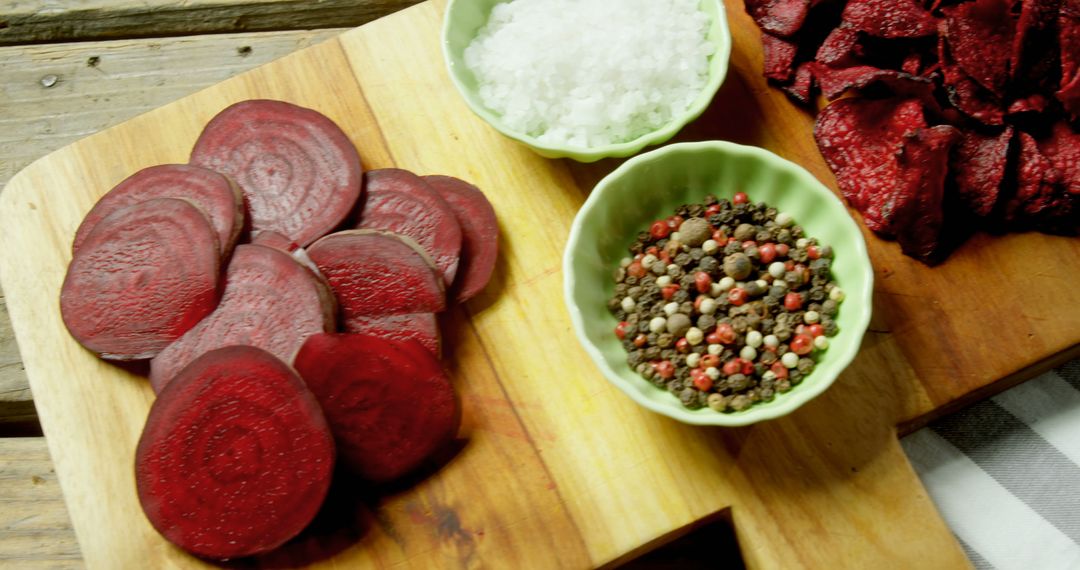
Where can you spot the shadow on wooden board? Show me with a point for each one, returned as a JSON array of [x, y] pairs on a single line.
[[711, 546]]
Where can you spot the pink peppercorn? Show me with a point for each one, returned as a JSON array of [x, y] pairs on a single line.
[[737, 296], [767, 253], [816, 330], [702, 282], [664, 369], [703, 383], [779, 370], [740, 198], [732, 367], [621, 328], [635, 269], [724, 334], [710, 361], [793, 301], [659, 230], [802, 344], [682, 345]]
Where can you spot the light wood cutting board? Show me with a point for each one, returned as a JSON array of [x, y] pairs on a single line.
[[557, 468]]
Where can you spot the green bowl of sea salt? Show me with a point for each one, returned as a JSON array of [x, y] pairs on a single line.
[[608, 94]]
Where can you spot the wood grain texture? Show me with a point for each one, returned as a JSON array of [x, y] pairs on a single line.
[[557, 468], [33, 21], [35, 531]]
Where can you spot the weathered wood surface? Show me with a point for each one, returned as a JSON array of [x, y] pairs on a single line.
[[30, 21], [35, 530], [53, 95]]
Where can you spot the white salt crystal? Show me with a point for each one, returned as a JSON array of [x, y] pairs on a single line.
[[590, 72]]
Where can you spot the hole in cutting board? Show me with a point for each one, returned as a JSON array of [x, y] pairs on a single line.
[[707, 544]]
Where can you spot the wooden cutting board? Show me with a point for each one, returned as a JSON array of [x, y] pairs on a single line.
[[556, 468]]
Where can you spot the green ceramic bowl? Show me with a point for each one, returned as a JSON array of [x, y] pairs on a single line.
[[651, 186], [463, 21]]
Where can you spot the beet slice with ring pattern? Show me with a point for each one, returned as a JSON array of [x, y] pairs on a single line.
[[389, 403], [236, 456], [382, 280], [143, 276], [215, 194], [299, 172], [270, 301], [479, 233], [401, 202]]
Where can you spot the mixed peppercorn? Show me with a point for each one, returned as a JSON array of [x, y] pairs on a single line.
[[725, 303]]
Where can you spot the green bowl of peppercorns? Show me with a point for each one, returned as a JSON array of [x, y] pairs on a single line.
[[717, 283]]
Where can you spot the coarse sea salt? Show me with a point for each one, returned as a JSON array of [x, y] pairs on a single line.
[[587, 73]]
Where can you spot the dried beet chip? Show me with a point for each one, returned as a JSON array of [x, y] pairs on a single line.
[[890, 18], [1041, 201], [838, 49], [918, 208], [1069, 39], [978, 167], [779, 57], [778, 17], [1034, 49], [859, 139], [965, 93], [1034, 103], [834, 82], [801, 86], [1062, 147], [980, 36]]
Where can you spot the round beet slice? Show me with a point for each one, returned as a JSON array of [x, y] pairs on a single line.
[[270, 301], [143, 276], [389, 404], [479, 233], [216, 195], [375, 273], [401, 202], [421, 327], [236, 456], [299, 172]]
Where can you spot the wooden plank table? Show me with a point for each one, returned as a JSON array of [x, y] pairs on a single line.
[[54, 93]]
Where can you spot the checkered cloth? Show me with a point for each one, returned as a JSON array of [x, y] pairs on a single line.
[[1005, 474]]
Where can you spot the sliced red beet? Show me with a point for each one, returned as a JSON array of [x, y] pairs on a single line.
[[236, 456], [299, 172], [216, 195], [890, 18], [271, 301], [918, 206], [401, 202], [270, 238], [779, 17], [388, 403], [385, 284], [779, 57], [143, 276], [860, 139], [980, 37], [978, 167], [421, 327], [479, 233]]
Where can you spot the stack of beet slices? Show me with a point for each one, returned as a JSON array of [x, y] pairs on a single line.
[[959, 114], [277, 349]]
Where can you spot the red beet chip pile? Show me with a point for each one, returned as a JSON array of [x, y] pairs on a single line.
[[961, 115], [270, 359]]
